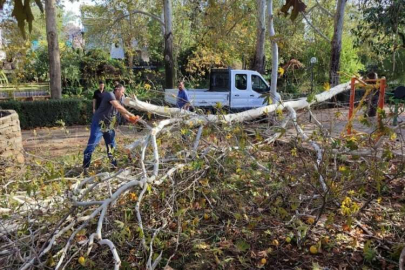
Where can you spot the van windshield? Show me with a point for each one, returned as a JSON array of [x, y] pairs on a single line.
[[258, 85]]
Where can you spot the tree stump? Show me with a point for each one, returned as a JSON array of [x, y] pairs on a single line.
[[10, 136]]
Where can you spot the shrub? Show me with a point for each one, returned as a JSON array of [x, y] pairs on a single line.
[[37, 68], [47, 113]]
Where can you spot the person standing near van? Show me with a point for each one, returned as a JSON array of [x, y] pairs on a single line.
[[98, 96], [183, 102]]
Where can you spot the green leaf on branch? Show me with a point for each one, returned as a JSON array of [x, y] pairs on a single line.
[[297, 7], [22, 12]]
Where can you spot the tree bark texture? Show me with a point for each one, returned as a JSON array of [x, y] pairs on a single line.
[[168, 51], [259, 58], [130, 56], [274, 52], [337, 43], [53, 50]]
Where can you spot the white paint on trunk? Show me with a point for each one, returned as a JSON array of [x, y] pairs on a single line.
[[274, 54], [261, 34]]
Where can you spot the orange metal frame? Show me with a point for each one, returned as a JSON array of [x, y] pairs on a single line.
[[381, 95]]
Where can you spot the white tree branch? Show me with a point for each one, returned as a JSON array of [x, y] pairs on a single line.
[[319, 32]]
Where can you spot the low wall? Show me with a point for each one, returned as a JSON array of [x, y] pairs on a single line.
[[10, 136]]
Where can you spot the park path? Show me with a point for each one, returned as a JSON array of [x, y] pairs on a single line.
[[59, 141]]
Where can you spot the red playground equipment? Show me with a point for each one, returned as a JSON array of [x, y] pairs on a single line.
[[369, 85]]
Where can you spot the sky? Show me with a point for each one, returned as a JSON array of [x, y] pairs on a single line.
[[74, 7]]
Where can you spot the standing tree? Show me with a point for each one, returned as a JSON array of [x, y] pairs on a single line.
[[259, 58], [119, 19], [337, 43], [382, 31], [53, 50], [22, 12], [274, 50], [168, 52]]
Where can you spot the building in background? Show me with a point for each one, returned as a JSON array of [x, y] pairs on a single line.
[[117, 50], [74, 36]]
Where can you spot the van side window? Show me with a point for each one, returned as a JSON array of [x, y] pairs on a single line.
[[259, 85], [241, 81], [219, 82]]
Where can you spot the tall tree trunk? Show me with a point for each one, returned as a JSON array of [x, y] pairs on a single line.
[[130, 58], [274, 53], [130, 49], [168, 51], [53, 50], [162, 27], [258, 61], [337, 43]]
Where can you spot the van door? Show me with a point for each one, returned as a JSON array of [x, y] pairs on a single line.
[[259, 87], [240, 93]]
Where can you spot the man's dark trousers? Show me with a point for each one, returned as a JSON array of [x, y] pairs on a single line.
[[95, 136]]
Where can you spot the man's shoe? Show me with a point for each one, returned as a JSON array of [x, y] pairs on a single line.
[[114, 165], [86, 172]]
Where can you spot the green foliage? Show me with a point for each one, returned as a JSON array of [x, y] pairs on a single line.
[[382, 26], [369, 252], [48, 113], [96, 64], [219, 40], [70, 67], [350, 63], [36, 69], [23, 13], [380, 33]]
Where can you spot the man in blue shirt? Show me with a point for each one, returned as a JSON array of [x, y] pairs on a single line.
[[103, 122], [183, 101]]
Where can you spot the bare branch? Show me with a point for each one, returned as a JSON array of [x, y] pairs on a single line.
[[316, 29], [140, 12], [324, 9]]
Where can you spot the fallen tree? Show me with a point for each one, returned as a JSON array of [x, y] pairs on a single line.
[[88, 203]]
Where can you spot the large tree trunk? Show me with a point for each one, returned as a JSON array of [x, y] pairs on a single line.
[[53, 50], [258, 61], [130, 60], [337, 43], [251, 114], [274, 55], [168, 52]]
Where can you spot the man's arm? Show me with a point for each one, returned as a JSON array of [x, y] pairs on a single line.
[[94, 105], [126, 114]]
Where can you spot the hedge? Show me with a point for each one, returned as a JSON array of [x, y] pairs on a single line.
[[46, 113]]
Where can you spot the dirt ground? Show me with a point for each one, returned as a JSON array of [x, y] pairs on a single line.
[[58, 141]]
